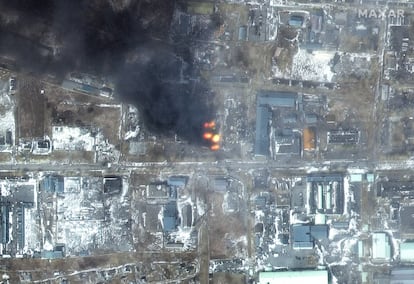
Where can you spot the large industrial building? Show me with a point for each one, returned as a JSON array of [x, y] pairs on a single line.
[[326, 194], [266, 101], [294, 277]]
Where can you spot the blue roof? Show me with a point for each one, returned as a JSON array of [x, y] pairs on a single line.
[[262, 144], [309, 233], [75, 86], [301, 233], [296, 21], [53, 184], [170, 217]]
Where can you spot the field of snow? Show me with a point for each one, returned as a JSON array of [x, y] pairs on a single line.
[[7, 120], [308, 66]]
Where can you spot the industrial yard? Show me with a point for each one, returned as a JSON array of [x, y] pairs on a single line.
[[206, 142]]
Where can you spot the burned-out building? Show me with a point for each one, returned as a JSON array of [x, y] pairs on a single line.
[[112, 184]]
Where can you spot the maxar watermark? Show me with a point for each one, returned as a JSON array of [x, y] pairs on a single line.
[[380, 14]]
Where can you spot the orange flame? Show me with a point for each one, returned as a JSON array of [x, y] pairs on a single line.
[[207, 135], [215, 147], [215, 138], [210, 124]]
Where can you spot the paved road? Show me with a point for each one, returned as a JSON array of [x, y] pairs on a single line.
[[299, 167]]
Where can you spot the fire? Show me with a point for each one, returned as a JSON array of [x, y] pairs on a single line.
[[215, 147], [215, 138], [208, 135], [210, 124]]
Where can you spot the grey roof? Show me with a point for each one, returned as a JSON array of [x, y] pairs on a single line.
[[221, 184], [243, 33], [311, 118], [402, 276], [265, 101], [303, 245], [324, 178], [260, 201], [179, 181], [158, 190], [319, 232], [309, 233], [276, 99], [407, 220], [24, 193], [290, 118]]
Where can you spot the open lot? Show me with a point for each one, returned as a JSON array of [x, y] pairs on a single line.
[[31, 106]]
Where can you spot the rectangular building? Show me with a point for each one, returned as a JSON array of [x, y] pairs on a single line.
[[294, 277], [381, 249], [266, 100], [407, 252]]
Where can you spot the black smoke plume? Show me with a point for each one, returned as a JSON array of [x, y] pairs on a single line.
[[125, 40]]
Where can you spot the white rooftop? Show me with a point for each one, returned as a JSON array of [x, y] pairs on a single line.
[[407, 252], [381, 248]]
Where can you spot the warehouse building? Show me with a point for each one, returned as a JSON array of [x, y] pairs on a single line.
[[266, 100], [294, 277], [326, 194], [304, 236]]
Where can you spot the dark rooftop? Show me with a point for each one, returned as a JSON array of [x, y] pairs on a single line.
[[407, 220], [112, 184]]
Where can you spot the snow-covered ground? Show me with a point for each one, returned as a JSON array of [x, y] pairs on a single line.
[[72, 138], [31, 237], [7, 119], [89, 220], [311, 66], [272, 22]]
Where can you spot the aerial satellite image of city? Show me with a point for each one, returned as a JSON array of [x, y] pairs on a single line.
[[207, 141]]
